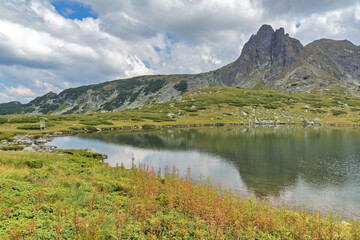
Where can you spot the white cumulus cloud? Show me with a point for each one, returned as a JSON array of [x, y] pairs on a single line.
[[41, 50]]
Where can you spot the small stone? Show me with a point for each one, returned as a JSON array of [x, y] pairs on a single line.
[[90, 150], [307, 123], [28, 149]]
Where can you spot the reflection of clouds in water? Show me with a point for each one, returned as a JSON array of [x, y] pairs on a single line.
[[322, 199], [206, 165], [201, 164], [301, 166]]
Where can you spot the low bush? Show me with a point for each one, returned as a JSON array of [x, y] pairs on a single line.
[[271, 106], [3, 120], [25, 120], [94, 123], [72, 194], [12, 148], [337, 112], [35, 126], [191, 110], [181, 86], [148, 126]]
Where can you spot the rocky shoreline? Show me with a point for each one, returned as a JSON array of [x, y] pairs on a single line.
[[36, 143]]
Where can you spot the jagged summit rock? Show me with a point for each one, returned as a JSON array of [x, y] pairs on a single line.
[[271, 59], [267, 54], [341, 58]]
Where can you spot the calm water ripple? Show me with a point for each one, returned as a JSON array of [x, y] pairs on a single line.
[[295, 166]]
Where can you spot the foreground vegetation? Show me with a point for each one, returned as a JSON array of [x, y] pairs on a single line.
[[216, 105], [71, 194]]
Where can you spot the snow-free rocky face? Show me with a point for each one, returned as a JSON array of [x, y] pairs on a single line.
[[271, 59]]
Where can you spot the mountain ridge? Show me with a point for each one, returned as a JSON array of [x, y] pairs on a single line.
[[271, 59]]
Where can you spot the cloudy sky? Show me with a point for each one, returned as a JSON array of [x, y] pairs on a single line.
[[50, 45]]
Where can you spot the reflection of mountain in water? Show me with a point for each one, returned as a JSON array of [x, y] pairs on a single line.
[[269, 159]]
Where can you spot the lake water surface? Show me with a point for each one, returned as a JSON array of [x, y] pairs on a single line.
[[293, 166]]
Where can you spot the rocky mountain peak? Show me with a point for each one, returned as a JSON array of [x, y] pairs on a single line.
[[271, 59], [264, 31], [272, 52]]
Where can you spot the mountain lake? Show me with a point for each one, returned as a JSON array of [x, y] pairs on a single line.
[[316, 167]]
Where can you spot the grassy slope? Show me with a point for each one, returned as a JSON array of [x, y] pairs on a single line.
[[72, 194], [211, 105]]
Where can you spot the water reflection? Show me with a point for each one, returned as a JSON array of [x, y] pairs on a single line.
[[319, 167]]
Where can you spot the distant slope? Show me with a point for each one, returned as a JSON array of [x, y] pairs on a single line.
[[270, 59]]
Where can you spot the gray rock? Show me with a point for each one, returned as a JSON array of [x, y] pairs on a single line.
[[270, 59], [41, 141], [28, 149], [307, 123], [90, 150]]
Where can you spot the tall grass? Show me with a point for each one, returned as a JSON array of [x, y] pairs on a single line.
[[74, 195]]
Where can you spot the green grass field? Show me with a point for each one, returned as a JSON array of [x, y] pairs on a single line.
[[69, 194], [216, 105], [72, 194]]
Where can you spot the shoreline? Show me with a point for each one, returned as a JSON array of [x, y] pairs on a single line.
[[30, 143]]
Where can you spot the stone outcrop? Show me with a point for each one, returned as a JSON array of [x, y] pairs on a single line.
[[272, 52], [271, 59]]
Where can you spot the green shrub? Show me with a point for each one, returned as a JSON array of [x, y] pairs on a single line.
[[3, 120], [7, 136], [134, 96], [337, 112], [29, 127], [319, 111], [148, 126], [35, 126], [12, 148], [94, 123], [137, 119], [181, 86], [271, 106], [153, 86], [25, 120], [32, 163]]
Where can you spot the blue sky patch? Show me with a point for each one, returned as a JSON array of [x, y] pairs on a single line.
[[298, 25], [146, 63], [73, 10], [168, 50], [157, 49], [173, 39]]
